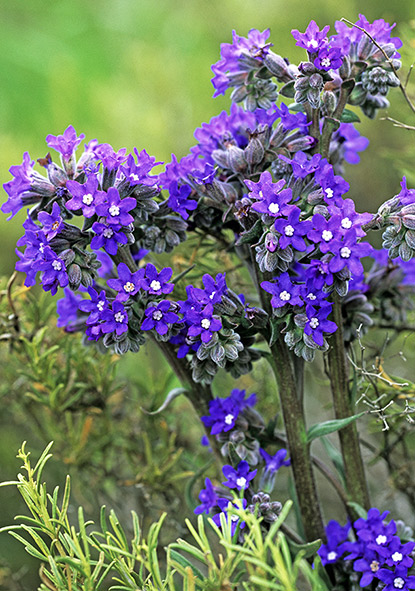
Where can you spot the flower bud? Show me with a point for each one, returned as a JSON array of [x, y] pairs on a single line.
[[254, 152], [345, 69], [239, 94], [329, 102], [74, 276], [277, 66], [68, 256]]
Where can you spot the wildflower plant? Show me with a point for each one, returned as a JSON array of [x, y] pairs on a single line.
[[264, 182]]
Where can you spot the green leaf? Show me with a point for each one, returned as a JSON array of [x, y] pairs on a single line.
[[358, 509], [250, 236], [185, 563], [349, 116], [327, 427], [307, 550], [296, 107], [169, 398], [288, 89], [275, 325], [336, 457]]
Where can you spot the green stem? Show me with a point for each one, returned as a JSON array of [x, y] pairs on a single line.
[[299, 449], [349, 440], [294, 422], [199, 394]]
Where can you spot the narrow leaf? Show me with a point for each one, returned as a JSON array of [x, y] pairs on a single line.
[[327, 427], [169, 398]]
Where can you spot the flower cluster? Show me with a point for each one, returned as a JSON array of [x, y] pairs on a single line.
[[377, 552]]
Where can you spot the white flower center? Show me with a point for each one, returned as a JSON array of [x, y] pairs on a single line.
[[228, 419], [289, 230], [314, 322], [329, 192], [41, 247], [241, 481], [398, 583], [155, 285], [114, 210], [381, 539], [313, 43], [285, 296], [311, 296], [234, 518], [87, 199], [325, 62], [157, 315], [346, 223], [57, 265], [55, 225], [212, 295], [332, 555], [134, 177], [273, 207], [101, 305], [345, 252], [129, 287], [118, 317], [327, 235], [205, 323], [396, 557], [107, 233], [374, 566]]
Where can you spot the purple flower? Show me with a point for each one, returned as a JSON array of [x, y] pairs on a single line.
[[65, 144], [159, 317], [399, 554], [67, 308], [108, 236], [333, 186], [380, 30], [253, 47], [95, 307], [274, 463], [203, 323], [317, 323], [86, 197], [207, 497], [115, 320], [334, 549], [16, 188], [138, 173], [239, 478], [238, 398], [53, 269], [128, 283], [157, 283], [319, 274], [397, 579], [273, 199], [223, 413], [52, 222], [324, 231], [349, 218], [369, 565], [301, 164], [329, 58], [347, 253], [292, 230], [213, 290], [115, 209], [283, 291], [312, 39], [110, 159], [406, 196], [351, 142], [291, 121], [178, 199], [226, 506]]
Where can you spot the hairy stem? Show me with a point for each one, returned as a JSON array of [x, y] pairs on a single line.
[[349, 440], [199, 394], [297, 441]]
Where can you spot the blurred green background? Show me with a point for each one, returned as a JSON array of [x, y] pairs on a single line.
[[137, 73]]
